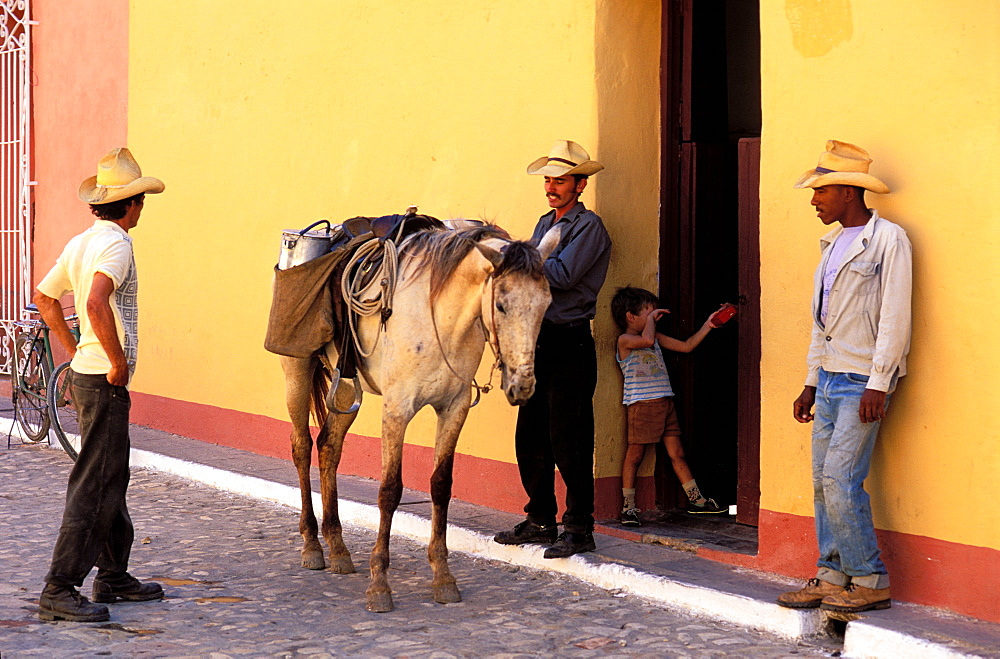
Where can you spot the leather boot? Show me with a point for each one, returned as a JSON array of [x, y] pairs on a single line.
[[527, 532], [65, 603], [113, 587], [811, 596], [568, 544], [855, 599]]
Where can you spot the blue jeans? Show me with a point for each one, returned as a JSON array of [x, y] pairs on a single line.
[[841, 458]]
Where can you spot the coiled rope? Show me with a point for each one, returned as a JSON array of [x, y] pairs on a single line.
[[383, 257]]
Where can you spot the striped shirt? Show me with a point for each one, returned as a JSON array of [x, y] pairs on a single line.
[[646, 376]]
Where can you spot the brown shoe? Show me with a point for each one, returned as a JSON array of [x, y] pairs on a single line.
[[113, 587], [810, 596], [66, 603], [855, 599]]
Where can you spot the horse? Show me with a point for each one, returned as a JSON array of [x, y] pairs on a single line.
[[456, 290]]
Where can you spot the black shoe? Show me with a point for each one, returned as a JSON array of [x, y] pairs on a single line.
[[709, 507], [66, 603], [630, 517], [570, 543], [124, 586], [527, 532]]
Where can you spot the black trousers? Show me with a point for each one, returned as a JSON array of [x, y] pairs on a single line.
[[96, 527], [556, 428]]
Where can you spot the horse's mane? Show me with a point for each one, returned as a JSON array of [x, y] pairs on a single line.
[[442, 250]]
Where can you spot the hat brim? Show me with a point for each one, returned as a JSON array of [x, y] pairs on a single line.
[[91, 193], [814, 179], [542, 167]]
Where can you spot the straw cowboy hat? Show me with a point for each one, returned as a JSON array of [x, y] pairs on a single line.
[[118, 177], [564, 159], [842, 164]]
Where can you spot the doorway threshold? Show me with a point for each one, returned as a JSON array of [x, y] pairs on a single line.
[[689, 532]]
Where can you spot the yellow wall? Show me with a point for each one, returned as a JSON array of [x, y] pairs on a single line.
[[914, 83], [260, 120]]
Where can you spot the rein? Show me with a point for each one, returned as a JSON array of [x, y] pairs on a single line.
[[491, 338]]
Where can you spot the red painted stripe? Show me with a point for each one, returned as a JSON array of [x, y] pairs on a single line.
[[924, 570]]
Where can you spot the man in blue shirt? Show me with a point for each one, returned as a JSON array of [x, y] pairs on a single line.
[[556, 426]]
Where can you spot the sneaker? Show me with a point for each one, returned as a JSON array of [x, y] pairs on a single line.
[[527, 532], [630, 517], [855, 599], [114, 587], [708, 507], [811, 596], [66, 603], [569, 543]]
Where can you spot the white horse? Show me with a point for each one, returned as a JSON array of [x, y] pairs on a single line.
[[456, 290]]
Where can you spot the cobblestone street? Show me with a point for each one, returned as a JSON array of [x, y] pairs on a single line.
[[229, 566]]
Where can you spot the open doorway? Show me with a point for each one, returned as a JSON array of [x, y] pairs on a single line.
[[711, 122]]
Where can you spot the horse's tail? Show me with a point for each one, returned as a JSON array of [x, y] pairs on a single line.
[[320, 388]]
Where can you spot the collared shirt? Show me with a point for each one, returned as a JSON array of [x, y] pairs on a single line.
[[867, 327], [576, 268], [106, 248]]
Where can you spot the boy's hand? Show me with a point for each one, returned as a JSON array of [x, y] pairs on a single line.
[[656, 314], [712, 315]]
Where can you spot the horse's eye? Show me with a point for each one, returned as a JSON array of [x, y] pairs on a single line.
[[500, 308]]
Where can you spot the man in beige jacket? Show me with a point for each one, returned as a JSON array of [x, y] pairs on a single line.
[[860, 339]]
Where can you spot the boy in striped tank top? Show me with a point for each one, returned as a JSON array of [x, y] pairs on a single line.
[[649, 397]]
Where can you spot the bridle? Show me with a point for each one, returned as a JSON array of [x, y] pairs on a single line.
[[490, 334]]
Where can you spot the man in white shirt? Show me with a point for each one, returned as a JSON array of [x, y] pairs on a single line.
[[98, 267], [860, 339]]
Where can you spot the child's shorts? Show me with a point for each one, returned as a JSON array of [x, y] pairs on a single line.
[[649, 421]]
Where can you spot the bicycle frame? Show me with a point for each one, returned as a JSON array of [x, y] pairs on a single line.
[[39, 333]]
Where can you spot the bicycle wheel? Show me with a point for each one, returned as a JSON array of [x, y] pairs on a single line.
[[62, 410], [30, 375]]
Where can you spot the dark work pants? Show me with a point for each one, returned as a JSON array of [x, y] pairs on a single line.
[[556, 428], [96, 527]]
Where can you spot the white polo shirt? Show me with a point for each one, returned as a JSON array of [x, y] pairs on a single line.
[[106, 248]]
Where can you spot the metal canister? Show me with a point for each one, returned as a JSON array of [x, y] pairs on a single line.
[[299, 246]]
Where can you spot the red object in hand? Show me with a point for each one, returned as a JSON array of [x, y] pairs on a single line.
[[723, 315]]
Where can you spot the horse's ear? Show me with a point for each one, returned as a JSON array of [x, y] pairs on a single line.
[[549, 241], [494, 256]]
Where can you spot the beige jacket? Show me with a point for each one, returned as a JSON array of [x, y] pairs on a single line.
[[867, 329]]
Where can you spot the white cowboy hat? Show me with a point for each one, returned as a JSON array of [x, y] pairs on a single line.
[[842, 164], [564, 159], [118, 177]]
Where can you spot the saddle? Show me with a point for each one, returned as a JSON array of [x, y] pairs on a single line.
[[308, 309]]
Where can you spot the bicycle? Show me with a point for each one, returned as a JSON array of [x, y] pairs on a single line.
[[32, 372]]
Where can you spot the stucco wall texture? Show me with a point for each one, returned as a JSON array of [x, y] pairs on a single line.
[[261, 120]]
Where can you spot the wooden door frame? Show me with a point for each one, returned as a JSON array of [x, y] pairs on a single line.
[[677, 189], [748, 361]]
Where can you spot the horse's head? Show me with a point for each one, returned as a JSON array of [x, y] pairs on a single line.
[[513, 306]]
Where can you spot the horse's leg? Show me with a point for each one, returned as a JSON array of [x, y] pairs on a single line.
[[298, 384], [330, 445], [449, 425], [379, 595]]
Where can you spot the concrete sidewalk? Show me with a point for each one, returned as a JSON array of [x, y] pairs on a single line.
[[673, 578]]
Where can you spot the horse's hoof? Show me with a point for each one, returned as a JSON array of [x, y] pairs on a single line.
[[447, 594], [379, 602], [342, 564], [313, 560]]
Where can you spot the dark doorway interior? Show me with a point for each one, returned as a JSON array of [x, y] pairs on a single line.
[[711, 101]]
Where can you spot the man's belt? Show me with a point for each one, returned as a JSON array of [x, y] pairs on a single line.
[[567, 325]]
